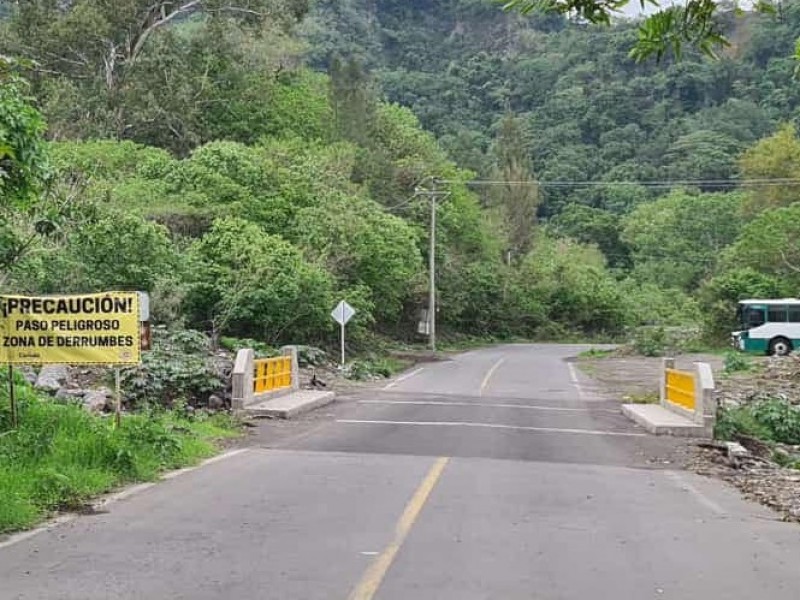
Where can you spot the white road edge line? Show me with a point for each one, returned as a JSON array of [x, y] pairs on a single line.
[[487, 405], [112, 498], [573, 375], [492, 426], [486, 379], [678, 479], [403, 378]]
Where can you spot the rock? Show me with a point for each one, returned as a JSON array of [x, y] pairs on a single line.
[[97, 400], [215, 402], [69, 394], [52, 378], [736, 452], [311, 356]]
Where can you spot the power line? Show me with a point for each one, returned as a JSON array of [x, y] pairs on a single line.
[[777, 182], [402, 204]]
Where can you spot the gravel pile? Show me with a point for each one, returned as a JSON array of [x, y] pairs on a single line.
[[757, 477], [775, 377]]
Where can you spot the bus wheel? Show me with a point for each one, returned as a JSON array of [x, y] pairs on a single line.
[[780, 346]]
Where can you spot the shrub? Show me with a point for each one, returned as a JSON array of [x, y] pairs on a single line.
[[650, 341], [735, 362], [179, 369], [769, 419]]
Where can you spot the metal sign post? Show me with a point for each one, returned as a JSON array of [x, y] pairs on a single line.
[[342, 314], [12, 397], [118, 398]]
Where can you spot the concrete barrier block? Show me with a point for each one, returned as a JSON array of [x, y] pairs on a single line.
[[666, 363], [242, 379], [292, 351]]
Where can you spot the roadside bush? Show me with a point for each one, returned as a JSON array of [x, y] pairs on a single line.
[[180, 368], [374, 368], [310, 356], [780, 417], [480, 297], [662, 341], [736, 362], [650, 305], [770, 419], [650, 341], [260, 349]]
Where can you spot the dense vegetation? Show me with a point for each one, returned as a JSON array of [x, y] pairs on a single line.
[[250, 167]]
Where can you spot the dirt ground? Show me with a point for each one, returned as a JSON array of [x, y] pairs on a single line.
[[636, 378]]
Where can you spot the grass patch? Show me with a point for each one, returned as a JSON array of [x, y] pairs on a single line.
[[595, 353], [376, 367], [643, 398], [61, 456]]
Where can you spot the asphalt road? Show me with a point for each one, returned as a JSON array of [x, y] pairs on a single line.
[[502, 474]]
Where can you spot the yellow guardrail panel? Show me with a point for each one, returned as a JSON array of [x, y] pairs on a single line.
[[272, 374], [681, 388]]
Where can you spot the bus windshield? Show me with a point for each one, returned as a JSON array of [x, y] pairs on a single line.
[[751, 316]]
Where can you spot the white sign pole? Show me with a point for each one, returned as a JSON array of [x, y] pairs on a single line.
[[342, 364], [342, 314]]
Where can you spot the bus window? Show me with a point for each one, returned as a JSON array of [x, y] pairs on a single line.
[[754, 317], [776, 314], [794, 314]]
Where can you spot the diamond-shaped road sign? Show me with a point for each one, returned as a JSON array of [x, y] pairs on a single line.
[[343, 313]]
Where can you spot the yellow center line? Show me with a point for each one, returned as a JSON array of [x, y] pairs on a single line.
[[374, 575], [486, 379]]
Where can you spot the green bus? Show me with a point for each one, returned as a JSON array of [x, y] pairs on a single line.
[[768, 326]]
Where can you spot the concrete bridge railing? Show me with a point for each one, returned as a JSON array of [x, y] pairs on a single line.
[[257, 380], [691, 394]]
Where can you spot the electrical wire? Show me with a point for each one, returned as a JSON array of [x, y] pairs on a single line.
[[402, 204], [777, 182]]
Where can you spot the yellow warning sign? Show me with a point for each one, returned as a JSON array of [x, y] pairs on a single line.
[[87, 329]]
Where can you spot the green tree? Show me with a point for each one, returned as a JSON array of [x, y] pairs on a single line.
[[251, 284], [594, 226], [363, 246], [23, 162], [776, 157], [98, 249], [161, 72], [572, 283], [770, 244], [676, 240], [353, 99], [23, 170], [517, 196]]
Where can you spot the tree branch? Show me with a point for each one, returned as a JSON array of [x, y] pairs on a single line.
[[158, 17], [787, 263]]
